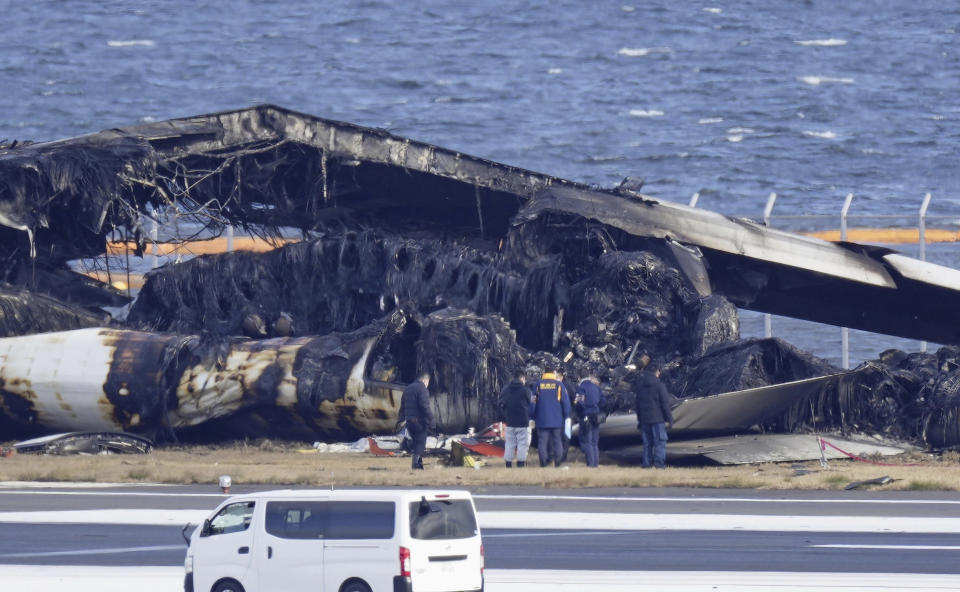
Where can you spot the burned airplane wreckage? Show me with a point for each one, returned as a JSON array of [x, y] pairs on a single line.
[[411, 257]]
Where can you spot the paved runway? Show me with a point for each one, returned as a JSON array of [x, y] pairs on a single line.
[[538, 539]]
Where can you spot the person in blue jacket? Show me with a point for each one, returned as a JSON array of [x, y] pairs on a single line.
[[589, 402], [550, 409]]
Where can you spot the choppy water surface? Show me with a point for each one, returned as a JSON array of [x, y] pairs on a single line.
[[732, 100]]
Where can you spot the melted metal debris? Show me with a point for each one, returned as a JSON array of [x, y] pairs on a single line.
[[86, 443]]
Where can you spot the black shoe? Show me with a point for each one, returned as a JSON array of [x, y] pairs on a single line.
[[521, 464], [508, 463]]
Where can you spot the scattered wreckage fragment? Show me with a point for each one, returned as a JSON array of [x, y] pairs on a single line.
[[86, 443], [754, 448]]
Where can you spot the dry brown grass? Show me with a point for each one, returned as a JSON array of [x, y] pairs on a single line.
[[272, 464]]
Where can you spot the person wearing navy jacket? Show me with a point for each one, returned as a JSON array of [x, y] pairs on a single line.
[[653, 404], [550, 409], [415, 410], [589, 402]]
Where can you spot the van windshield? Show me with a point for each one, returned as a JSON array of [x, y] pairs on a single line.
[[442, 519]]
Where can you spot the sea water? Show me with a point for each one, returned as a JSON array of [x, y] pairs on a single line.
[[729, 100]]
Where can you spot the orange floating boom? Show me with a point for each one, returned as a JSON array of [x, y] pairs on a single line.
[[889, 236], [202, 247]]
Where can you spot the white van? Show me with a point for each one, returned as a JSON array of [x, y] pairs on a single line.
[[338, 541]]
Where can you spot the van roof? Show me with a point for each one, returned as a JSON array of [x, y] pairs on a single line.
[[356, 494]]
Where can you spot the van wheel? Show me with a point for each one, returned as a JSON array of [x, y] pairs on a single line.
[[355, 586], [228, 586]]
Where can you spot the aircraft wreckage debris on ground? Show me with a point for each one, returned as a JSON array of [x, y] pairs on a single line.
[[411, 257]]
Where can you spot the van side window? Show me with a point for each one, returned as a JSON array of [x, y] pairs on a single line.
[[359, 520], [232, 518], [442, 519], [331, 520], [295, 520]]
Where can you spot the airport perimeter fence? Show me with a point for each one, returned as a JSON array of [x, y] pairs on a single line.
[[889, 221]]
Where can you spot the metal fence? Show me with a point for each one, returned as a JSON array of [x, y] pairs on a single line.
[[892, 221]]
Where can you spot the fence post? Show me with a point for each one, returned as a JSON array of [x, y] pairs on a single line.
[[767, 211], [771, 200], [694, 198], [154, 234], [923, 227], [923, 243], [844, 331]]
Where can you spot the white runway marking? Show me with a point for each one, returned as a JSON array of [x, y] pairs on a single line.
[[714, 522], [904, 547], [141, 517], [557, 521], [48, 488], [713, 581], [34, 486], [714, 499], [96, 551], [501, 535], [167, 579], [113, 493]]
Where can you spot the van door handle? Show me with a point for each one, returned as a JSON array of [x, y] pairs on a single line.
[[269, 552], [243, 550]]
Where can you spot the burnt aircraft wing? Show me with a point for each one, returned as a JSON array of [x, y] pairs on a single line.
[[726, 413], [741, 410], [722, 428], [782, 273], [757, 448]]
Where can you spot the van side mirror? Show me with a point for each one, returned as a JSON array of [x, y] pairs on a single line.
[[205, 529]]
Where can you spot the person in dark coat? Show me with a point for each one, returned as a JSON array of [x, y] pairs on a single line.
[[589, 402], [515, 399], [550, 409], [415, 410], [653, 412]]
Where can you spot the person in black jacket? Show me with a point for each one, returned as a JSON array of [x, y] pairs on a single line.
[[653, 412], [415, 410], [515, 401]]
